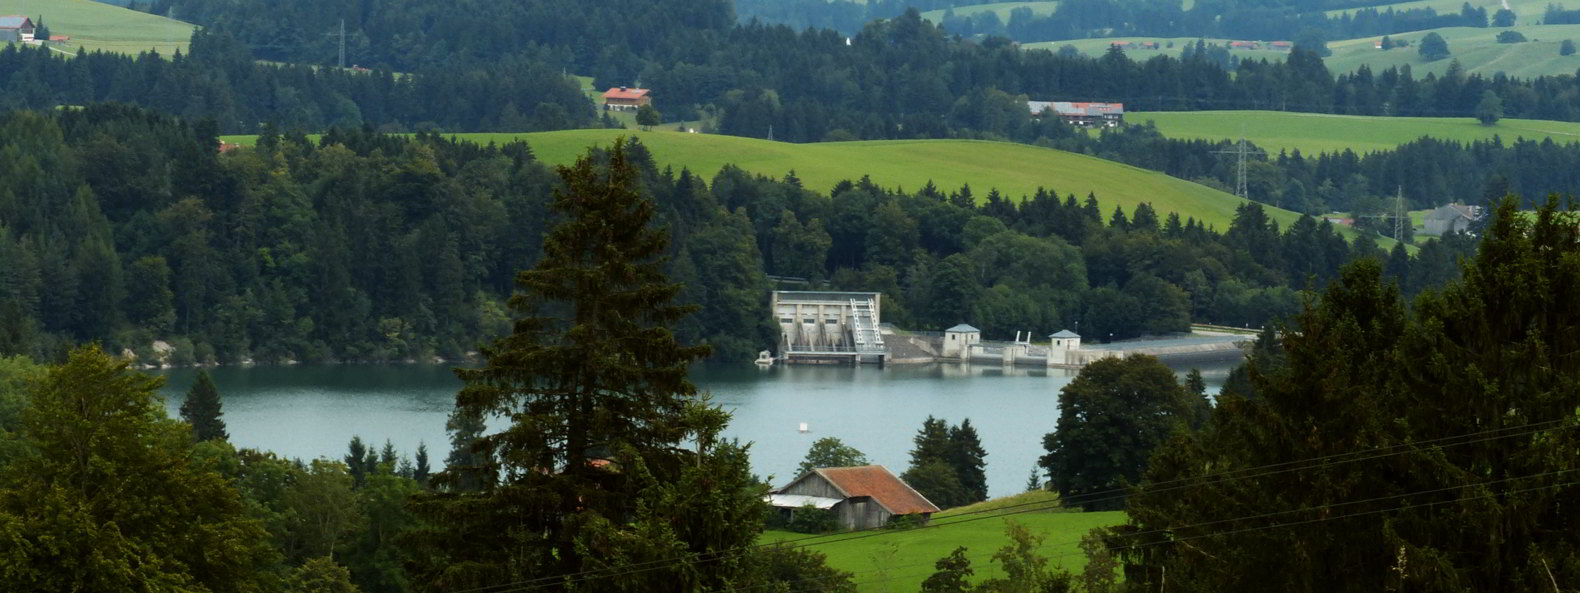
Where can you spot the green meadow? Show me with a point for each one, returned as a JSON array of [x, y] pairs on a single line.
[[1016, 170], [1002, 9], [1477, 50], [900, 560], [1315, 132], [98, 26], [1167, 46], [1528, 11]]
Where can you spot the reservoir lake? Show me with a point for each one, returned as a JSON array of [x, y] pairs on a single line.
[[313, 411]]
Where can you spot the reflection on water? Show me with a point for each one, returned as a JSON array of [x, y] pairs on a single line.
[[313, 411]]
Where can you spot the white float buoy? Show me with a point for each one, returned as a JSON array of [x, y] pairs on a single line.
[[803, 428]]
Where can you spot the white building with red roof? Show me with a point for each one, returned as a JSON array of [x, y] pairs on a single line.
[[626, 98]]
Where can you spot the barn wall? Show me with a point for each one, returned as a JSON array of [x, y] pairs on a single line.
[[813, 485]]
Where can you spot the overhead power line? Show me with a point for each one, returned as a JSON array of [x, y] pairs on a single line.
[[1039, 506]]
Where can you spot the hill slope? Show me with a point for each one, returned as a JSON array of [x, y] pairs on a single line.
[[1477, 50], [900, 560], [1016, 170], [1315, 132], [100, 26]]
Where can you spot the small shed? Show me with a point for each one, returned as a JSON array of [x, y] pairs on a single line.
[[862, 497], [1061, 345], [959, 339], [1449, 219], [16, 28], [626, 98]]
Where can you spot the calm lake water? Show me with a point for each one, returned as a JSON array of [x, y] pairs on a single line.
[[313, 411]]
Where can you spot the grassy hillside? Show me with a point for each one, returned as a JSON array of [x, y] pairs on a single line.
[[1168, 46], [1476, 49], [900, 560], [1015, 169], [99, 26], [1001, 8], [1529, 11], [1311, 132]]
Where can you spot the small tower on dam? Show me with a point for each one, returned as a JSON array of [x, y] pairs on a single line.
[[958, 341], [1061, 346], [829, 327]]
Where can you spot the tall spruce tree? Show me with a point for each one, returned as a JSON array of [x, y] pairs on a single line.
[[969, 460], [611, 458], [203, 408]]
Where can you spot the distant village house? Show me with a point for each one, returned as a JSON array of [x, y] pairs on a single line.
[[1086, 115], [626, 98], [1450, 219], [16, 28], [861, 497]]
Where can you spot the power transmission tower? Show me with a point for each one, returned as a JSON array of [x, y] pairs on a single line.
[[342, 43], [342, 35], [1400, 215], [1244, 151]]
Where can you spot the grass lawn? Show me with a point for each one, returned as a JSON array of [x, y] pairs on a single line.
[[1313, 132], [99, 26], [1476, 49], [1041, 8], [900, 560]]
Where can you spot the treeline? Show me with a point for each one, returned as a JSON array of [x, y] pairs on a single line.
[[1079, 19], [128, 227], [221, 81], [897, 78], [902, 78]]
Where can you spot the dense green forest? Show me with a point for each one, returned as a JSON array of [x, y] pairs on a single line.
[[126, 226], [899, 78], [1420, 445]]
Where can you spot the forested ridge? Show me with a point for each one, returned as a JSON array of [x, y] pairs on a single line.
[[126, 226], [899, 78]]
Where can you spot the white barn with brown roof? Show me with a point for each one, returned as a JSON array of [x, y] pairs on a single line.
[[861, 497]]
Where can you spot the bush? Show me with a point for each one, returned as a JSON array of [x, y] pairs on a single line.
[[1510, 37], [1567, 48]]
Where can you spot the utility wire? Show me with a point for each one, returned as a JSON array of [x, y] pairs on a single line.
[[1181, 483], [1265, 515]]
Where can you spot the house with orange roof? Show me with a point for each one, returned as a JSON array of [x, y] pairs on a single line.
[[861, 497], [626, 98]]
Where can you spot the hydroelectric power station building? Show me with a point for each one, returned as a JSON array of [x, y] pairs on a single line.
[[829, 327]]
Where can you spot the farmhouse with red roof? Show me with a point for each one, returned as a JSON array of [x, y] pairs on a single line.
[[1084, 114], [862, 497], [626, 98]]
